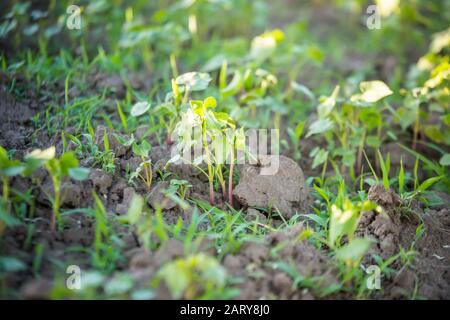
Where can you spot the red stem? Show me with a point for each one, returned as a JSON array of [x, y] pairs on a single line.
[[230, 185]]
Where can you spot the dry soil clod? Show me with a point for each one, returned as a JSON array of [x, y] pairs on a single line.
[[285, 190]]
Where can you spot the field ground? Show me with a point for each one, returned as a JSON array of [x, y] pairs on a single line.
[[359, 208]]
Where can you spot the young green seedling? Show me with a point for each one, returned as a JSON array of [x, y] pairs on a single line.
[[171, 109], [350, 122], [212, 127], [58, 169], [142, 150], [195, 276], [180, 187], [8, 168]]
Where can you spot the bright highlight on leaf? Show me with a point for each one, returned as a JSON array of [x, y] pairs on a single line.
[[194, 81], [372, 91], [140, 108]]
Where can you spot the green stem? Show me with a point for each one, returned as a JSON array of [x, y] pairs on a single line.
[[219, 174], [56, 203], [5, 189], [148, 174], [360, 151], [416, 130]]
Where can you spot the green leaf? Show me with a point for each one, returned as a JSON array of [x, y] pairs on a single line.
[[139, 108], [373, 141], [429, 182], [322, 193], [445, 160], [297, 87], [79, 173], [3, 155], [401, 177], [325, 108], [320, 126], [141, 149], [299, 130], [210, 102], [224, 118], [68, 161], [13, 171], [434, 133], [176, 278], [371, 118], [234, 86], [446, 119], [320, 158], [119, 284], [373, 91], [194, 81], [10, 264], [353, 251], [135, 210], [385, 168]]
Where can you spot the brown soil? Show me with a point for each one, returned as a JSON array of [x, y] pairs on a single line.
[[272, 268]]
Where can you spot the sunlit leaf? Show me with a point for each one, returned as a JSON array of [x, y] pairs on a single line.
[[194, 81], [372, 91], [354, 250], [320, 126], [139, 108]]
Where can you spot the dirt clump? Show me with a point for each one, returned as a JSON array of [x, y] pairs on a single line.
[[101, 180], [114, 145], [265, 272], [110, 82], [157, 198], [128, 194], [406, 225], [283, 189]]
